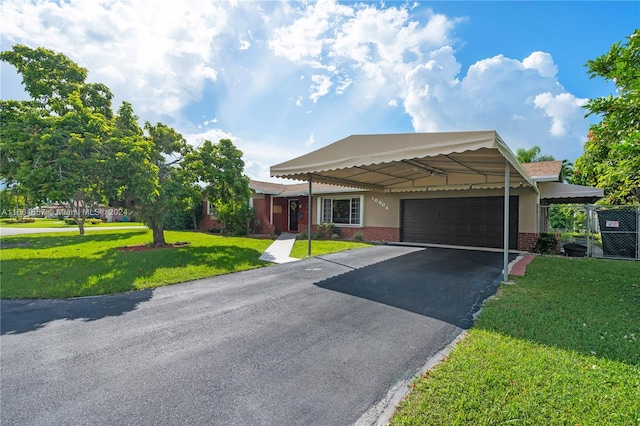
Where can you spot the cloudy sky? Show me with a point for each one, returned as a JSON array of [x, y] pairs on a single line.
[[281, 79]]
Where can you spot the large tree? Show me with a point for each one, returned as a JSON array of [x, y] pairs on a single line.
[[221, 168], [611, 156], [168, 149], [52, 144]]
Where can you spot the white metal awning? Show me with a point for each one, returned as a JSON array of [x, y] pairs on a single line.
[[410, 162]]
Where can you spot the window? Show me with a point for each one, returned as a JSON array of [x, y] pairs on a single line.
[[342, 210], [211, 209]]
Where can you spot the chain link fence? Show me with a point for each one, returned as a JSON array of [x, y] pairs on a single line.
[[594, 230]]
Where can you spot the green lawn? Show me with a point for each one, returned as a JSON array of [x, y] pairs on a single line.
[[62, 265], [320, 247], [562, 346], [57, 265], [55, 223]]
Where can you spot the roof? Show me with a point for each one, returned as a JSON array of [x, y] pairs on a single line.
[[544, 171], [295, 189], [410, 162], [564, 193]]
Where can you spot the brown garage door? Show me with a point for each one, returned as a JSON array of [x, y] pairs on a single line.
[[475, 221]]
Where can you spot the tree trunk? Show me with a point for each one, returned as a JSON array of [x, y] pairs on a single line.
[[80, 222], [158, 234]]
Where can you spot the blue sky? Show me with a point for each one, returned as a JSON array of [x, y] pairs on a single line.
[[281, 79]]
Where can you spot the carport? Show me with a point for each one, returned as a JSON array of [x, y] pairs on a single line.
[[415, 162]]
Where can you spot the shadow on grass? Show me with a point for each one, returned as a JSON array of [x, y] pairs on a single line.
[[114, 272], [22, 316], [445, 284], [37, 242], [590, 306], [117, 272]]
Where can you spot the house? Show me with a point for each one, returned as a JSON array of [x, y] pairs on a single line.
[[278, 207], [435, 188], [432, 188]]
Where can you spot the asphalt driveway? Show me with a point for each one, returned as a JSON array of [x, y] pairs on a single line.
[[314, 342]]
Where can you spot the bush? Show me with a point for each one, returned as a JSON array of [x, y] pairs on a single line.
[[302, 236], [358, 237], [546, 243], [23, 220], [234, 216], [328, 230], [70, 221]]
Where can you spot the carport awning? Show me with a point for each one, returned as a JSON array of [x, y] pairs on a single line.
[[410, 162], [564, 193]]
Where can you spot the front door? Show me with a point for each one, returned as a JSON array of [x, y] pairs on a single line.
[[294, 208]]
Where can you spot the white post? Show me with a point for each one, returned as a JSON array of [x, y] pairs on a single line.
[[309, 212], [506, 222]]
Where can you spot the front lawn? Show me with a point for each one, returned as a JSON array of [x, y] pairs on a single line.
[[320, 247], [561, 346], [55, 223], [61, 265]]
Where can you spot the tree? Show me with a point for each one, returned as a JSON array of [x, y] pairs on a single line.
[[611, 155], [221, 168], [168, 148], [532, 155], [52, 144]]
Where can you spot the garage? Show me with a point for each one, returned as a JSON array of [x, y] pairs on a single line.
[[468, 221]]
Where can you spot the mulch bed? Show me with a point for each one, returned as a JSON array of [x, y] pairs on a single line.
[[146, 247]]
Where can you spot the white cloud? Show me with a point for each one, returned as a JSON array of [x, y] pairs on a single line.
[[563, 109], [319, 87], [309, 141], [542, 62], [158, 56], [181, 59]]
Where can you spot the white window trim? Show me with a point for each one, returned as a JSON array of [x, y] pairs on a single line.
[[211, 209], [320, 205]]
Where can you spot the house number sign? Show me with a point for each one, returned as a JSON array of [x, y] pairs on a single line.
[[379, 202]]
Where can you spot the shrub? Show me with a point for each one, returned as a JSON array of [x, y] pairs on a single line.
[[70, 221], [302, 236], [545, 244], [327, 229], [23, 220], [358, 236]]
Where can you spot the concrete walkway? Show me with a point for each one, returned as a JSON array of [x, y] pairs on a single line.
[[279, 250]]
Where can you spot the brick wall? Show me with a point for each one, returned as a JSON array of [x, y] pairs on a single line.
[[208, 222], [369, 233], [527, 241]]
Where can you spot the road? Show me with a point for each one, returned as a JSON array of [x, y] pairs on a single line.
[[315, 342]]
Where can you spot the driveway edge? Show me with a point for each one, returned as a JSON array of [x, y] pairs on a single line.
[[381, 413]]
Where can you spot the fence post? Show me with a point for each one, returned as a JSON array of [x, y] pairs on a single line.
[[588, 230], [638, 234]]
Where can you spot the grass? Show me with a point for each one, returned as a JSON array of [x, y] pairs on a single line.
[[59, 266], [320, 247], [562, 346], [55, 223], [56, 265]]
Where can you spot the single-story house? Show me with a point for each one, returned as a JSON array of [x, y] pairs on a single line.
[[436, 188], [432, 188]]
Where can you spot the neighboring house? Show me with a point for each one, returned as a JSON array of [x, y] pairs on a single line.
[[434, 188]]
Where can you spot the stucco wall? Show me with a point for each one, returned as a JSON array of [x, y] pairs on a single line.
[[383, 210]]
